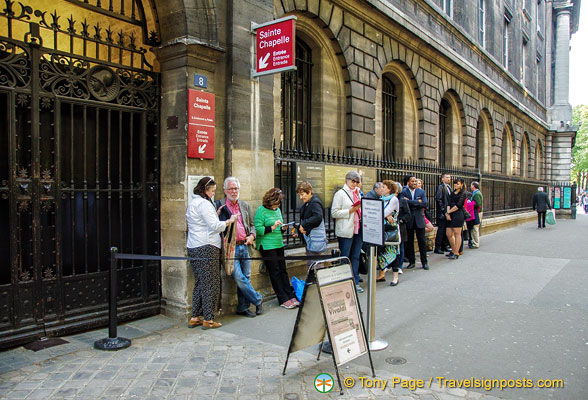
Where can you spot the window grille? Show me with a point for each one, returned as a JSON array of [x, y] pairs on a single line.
[[296, 100], [388, 118]]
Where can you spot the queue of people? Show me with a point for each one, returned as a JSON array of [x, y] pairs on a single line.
[[405, 213]]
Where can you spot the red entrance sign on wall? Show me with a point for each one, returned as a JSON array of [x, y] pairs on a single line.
[[200, 124], [276, 44]]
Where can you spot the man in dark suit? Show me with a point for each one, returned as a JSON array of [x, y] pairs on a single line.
[[442, 200], [541, 203], [417, 201]]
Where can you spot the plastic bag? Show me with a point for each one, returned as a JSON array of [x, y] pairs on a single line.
[[550, 217], [298, 285]]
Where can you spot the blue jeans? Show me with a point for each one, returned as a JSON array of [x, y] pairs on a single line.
[[246, 295], [351, 248]]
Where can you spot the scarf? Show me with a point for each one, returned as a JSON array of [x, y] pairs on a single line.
[[356, 215], [387, 198]]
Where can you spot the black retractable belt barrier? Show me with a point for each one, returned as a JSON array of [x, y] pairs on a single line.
[[112, 342]]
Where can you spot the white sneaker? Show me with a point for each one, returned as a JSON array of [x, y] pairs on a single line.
[[400, 271], [359, 289]]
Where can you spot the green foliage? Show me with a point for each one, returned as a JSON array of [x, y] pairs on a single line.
[[580, 149]]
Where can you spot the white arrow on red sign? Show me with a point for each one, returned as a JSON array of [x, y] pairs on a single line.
[[263, 61], [201, 148]]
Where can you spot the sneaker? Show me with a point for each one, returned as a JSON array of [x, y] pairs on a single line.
[[288, 304], [246, 313], [295, 302], [359, 289], [400, 271]]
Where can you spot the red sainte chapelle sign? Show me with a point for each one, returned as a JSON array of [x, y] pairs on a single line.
[[276, 44], [200, 124]]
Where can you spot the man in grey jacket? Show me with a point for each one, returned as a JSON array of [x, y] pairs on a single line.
[[245, 231]]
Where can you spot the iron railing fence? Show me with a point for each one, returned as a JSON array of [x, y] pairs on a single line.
[[505, 195], [326, 168]]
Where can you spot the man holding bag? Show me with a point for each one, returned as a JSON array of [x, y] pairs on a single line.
[[541, 203], [244, 231], [312, 224]]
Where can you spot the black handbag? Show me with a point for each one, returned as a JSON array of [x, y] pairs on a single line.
[[391, 233]]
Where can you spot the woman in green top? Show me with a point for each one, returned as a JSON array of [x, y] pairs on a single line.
[[269, 241]]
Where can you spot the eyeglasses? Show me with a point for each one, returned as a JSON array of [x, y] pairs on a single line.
[[355, 181]]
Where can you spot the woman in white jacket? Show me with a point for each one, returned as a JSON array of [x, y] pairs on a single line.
[[348, 221], [204, 243]]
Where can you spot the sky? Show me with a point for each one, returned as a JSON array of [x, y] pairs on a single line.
[[579, 60]]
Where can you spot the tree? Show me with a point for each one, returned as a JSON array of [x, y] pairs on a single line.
[[579, 171]]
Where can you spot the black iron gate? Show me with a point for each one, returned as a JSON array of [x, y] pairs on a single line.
[[79, 172]]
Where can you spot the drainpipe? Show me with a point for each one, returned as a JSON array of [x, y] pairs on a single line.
[[229, 93]]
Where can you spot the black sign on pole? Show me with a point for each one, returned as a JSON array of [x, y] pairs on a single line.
[[331, 287]]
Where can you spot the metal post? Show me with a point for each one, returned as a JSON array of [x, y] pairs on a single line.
[[574, 199], [374, 344], [112, 342]]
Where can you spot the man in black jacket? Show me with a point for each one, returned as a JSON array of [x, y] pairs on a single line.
[[442, 200], [541, 203]]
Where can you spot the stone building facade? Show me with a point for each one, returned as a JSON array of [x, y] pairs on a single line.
[[479, 84], [465, 83]]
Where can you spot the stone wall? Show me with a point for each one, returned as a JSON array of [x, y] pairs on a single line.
[[370, 45]]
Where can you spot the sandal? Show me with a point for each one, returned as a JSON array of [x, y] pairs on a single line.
[[211, 324], [194, 323]]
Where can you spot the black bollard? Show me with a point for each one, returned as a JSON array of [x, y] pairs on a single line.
[[112, 342]]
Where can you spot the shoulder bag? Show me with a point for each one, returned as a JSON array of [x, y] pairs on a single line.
[[316, 240]]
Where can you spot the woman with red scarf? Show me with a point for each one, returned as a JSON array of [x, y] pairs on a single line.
[[346, 210]]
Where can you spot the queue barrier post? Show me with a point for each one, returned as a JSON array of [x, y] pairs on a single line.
[[374, 344], [112, 342]]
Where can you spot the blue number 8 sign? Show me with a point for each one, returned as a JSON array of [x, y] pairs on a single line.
[[200, 81]]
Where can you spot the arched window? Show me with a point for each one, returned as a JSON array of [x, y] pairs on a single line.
[[396, 117], [296, 100], [506, 151], [444, 109], [484, 130], [524, 156], [388, 118], [538, 161]]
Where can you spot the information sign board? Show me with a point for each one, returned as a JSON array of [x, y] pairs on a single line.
[[567, 197], [557, 198], [372, 221], [339, 302], [275, 45], [201, 123], [329, 306], [315, 174]]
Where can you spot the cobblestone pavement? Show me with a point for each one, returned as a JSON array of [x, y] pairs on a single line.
[[168, 361]]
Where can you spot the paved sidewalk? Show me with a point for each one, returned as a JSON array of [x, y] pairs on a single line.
[[517, 307], [168, 361]]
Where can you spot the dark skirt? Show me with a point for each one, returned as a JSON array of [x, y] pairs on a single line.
[[457, 219]]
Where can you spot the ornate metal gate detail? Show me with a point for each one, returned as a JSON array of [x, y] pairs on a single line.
[[79, 173]]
